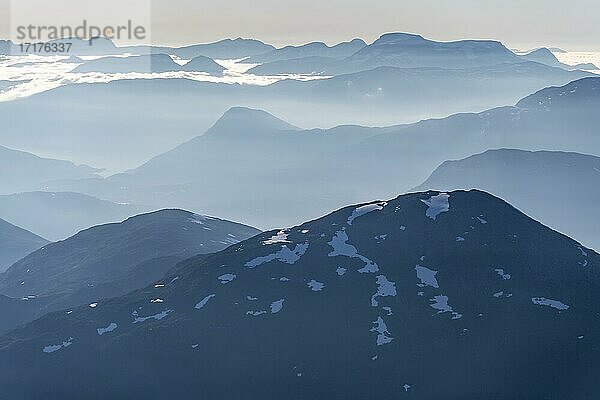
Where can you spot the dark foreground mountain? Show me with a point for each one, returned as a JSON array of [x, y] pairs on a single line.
[[16, 243], [553, 187], [429, 295], [111, 260]]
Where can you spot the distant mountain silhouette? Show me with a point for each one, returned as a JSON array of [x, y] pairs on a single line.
[[406, 50], [410, 297], [305, 65], [73, 60], [150, 63], [556, 118], [249, 151], [557, 50], [203, 64], [21, 171], [241, 121], [16, 243], [75, 46], [6, 47], [153, 63], [314, 49], [102, 124], [553, 187], [402, 50], [224, 49], [56, 216], [545, 56]]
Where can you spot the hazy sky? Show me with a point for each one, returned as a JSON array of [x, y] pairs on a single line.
[[518, 23]]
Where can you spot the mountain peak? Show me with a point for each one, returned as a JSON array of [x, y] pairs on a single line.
[[399, 38], [240, 120]]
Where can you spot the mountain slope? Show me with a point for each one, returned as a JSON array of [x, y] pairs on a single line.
[[107, 252], [16, 312], [21, 171], [557, 118], [252, 142], [57, 215], [16, 243], [374, 301], [553, 187], [111, 260]]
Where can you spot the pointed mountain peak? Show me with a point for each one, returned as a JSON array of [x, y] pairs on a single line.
[[541, 50], [242, 120], [358, 41]]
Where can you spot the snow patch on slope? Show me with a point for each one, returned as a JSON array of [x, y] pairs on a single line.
[[279, 237], [55, 347], [341, 247], [542, 301], [156, 317], [111, 327], [383, 335], [427, 276], [204, 301], [385, 288], [362, 210], [437, 205], [285, 255], [440, 303]]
